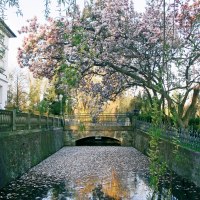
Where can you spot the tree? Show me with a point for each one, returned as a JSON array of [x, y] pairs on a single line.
[[17, 91], [138, 50], [34, 94], [155, 50]]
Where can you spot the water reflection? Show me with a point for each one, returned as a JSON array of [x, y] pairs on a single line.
[[111, 187], [96, 173]]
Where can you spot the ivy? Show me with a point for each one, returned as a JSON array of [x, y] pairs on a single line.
[[157, 167]]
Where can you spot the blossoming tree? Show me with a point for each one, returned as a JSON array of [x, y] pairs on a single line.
[[157, 50]]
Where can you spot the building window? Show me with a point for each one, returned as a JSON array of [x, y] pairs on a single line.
[[2, 70], [2, 46], [1, 94], [1, 39], [2, 52]]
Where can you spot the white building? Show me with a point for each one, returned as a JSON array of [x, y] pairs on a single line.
[[5, 34]]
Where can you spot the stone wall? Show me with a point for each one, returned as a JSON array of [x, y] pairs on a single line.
[[121, 133], [184, 162], [21, 150]]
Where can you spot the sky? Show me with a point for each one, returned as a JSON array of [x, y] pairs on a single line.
[[31, 8]]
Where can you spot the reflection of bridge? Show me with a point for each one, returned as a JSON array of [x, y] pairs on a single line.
[[115, 126]]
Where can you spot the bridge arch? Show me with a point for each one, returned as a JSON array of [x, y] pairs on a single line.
[[98, 141]]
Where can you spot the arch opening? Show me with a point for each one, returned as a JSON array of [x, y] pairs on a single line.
[[98, 141]]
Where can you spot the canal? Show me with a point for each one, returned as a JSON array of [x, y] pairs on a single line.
[[96, 173]]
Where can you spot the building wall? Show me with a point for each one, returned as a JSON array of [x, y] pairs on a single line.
[[5, 34], [3, 72]]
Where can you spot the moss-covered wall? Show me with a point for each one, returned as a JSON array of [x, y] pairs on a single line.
[[184, 162], [19, 151]]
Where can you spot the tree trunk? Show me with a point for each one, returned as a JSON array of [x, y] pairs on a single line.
[[191, 110]]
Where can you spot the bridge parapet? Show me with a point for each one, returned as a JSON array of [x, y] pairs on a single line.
[[102, 119], [13, 121]]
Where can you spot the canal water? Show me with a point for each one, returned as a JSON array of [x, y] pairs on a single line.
[[97, 173]]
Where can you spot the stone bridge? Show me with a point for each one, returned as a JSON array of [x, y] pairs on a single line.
[[114, 127]]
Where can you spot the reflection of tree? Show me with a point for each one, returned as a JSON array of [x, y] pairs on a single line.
[[97, 193], [115, 189], [89, 185], [111, 190]]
